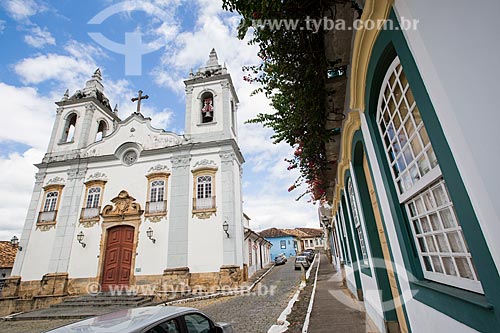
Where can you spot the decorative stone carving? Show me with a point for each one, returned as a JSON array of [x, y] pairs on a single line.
[[97, 176], [162, 140], [125, 205], [89, 223], [227, 157], [76, 173], [181, 161], [204, 215], [39, 177], [56, 180], [155, 219], [91, 153], [204, 163], [45, 226], [158, 168]]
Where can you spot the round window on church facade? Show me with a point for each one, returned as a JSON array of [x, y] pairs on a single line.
[[130, 157]]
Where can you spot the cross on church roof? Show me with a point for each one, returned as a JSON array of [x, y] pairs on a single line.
[[138, 99]]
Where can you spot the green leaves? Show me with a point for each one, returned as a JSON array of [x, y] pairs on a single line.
[[292, 75]]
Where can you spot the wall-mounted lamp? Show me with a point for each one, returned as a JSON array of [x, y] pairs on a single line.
[[15, 243], [225, 227], [149, 232], [80, 238]]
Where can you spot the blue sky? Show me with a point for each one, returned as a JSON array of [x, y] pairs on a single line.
[[46, 49]]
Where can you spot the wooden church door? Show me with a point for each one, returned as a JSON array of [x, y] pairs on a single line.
[[118, 257]]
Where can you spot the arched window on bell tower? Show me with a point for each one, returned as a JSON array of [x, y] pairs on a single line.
[[207, 107], [101, 130], [69, 128]]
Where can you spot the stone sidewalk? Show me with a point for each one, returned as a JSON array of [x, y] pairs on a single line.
[[335, 310]]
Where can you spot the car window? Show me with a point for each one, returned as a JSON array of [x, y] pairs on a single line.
[[196, 323], [165, 327]]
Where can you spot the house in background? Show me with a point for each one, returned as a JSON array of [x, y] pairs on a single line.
[[257, 250], [313, 239], [282, 242], [7, 256]]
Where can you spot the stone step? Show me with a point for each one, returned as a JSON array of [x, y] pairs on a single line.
[[97, 299], [101, 304], [85, 306]]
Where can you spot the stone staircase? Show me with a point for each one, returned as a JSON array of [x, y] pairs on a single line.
[[86, 306]]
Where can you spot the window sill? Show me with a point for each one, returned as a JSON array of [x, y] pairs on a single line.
[[204, 213], [466, 307], [460, 294], [206, 124], [156, 214], [45, 225], [66, 143]]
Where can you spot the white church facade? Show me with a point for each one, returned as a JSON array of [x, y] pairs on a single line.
[[120, 203]]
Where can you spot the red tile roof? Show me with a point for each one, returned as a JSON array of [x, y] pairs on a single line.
[[7, 254], [312, 232], [297, 232], [273, 233]]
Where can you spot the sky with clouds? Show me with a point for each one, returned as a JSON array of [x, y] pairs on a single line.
[[46, 49]]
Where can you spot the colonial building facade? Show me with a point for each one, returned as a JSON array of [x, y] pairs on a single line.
[[118, 202], [414, 217]]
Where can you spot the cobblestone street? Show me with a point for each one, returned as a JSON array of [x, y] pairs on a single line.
[[255, 313], [251, 313]]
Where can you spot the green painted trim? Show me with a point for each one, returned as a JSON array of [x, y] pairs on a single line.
[[388, 45], [350, 237], [341, 239], [365, 269], [381, 275]]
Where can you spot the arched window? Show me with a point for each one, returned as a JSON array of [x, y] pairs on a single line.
[[441, 246], [93, 197], [357, 221], [157, 190], [204, 192], [50, 201], [69, 128], [101, 130], [207, 107]]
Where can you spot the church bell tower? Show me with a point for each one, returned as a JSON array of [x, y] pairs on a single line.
[[211, 103]]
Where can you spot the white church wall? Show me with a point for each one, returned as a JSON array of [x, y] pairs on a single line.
[[205, 247], [451, 64], [36, 259]]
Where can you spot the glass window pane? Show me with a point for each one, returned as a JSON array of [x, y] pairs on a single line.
[[416, 146], [443, 246], [449, 267], [437, 264], [427, 263], [455, 243], [463, 267], [447, 218], [431, 244]]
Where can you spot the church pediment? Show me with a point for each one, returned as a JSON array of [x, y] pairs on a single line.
[[137, 129], [124, 206]]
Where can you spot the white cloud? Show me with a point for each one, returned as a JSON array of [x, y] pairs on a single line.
[[266, 178], [2, 26], [284, 212], [22, 10], [27, 116], [16, 185], [39, 37]]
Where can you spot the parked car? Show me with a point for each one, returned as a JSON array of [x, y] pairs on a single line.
[[310, 254], [281, 255], [302, 261], [279, 260], [149, 319]]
